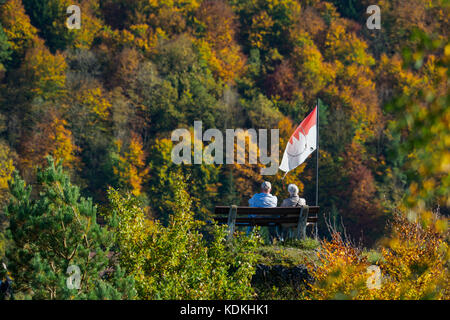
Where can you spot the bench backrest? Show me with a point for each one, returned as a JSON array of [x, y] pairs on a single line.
[[277, 211], [250, 216]]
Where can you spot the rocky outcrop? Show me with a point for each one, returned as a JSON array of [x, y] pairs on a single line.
[[279, 275]]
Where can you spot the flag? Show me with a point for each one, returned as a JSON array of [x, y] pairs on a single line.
[[301, 144]]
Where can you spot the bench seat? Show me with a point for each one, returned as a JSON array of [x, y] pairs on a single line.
[[298, 217]]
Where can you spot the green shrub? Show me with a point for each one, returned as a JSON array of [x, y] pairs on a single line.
[[176, 262]]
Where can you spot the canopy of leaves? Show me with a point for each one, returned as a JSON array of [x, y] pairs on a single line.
[[106, 98]]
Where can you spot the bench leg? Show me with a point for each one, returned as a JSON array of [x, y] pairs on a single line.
[[231, 221], [315, 231], [301, 226]]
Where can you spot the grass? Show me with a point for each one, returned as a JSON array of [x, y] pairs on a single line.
[[373, 256], [287, 255], [306, 244]]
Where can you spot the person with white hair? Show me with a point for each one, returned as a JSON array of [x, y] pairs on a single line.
[[264, 199], [294, 199]]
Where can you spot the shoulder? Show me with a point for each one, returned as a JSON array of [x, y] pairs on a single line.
[[273, 199]]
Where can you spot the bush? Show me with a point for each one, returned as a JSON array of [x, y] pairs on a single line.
[[413, 264], [175, 262]]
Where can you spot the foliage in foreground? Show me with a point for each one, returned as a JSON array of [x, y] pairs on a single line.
[[53, 231], [414, 265], [51, 227], [175, 262]]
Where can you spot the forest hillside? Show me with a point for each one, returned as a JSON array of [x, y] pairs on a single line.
[[104, 99]]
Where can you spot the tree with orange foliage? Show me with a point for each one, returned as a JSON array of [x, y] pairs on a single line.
[[217, 26], [282, 84], [363, 215], [49, 137]]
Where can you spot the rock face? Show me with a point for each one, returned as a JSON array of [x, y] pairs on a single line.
[[279, 275]]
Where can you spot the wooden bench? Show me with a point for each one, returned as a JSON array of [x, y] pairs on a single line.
[[298, 217]]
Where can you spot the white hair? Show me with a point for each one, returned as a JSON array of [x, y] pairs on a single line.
[[293, 189], [266, 185]]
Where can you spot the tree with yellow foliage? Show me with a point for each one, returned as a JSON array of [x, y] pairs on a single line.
[[45, 72], [17, 27], [129, 165], [91, 24], [425, 129], [6, 169]]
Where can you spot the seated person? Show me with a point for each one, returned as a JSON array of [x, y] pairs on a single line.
[[294, 200], [264, 199]]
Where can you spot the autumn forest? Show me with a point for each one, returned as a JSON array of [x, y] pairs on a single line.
[[86, 117]]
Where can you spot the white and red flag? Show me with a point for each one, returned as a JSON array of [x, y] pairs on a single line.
[[301, 144]]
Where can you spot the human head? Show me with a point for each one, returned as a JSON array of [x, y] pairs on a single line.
[[266, 187], [293, 190]]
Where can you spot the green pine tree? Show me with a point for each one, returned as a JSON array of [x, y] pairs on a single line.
[[49, 16], [51, 228]]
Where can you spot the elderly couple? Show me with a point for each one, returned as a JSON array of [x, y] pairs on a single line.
[[266, 200]]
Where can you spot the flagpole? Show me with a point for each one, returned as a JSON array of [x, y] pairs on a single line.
[[317, 155]]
